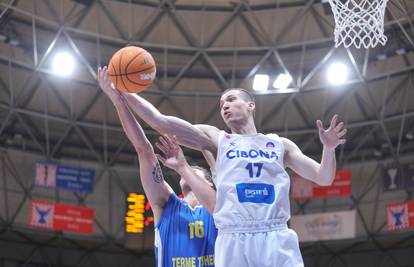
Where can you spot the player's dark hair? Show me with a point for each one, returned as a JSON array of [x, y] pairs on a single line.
[[246, 95]]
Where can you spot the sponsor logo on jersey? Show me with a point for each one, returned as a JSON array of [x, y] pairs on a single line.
[[270, 145], [255, 193], [252, 153]]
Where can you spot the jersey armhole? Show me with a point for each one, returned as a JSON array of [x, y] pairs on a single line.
[[213, 171], [172, 200], [277, 138]]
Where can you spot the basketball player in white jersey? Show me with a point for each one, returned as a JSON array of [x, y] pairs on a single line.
[[252, 201]]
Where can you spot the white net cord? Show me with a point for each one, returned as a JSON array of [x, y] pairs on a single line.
[[359, 22]]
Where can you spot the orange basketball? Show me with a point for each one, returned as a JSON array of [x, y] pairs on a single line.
[[132, 69]]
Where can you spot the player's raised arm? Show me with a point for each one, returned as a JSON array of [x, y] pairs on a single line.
[[322, 173], [173, 158], [201, 137], [156, 189]]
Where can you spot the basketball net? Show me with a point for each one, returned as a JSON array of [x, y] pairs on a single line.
[[359, 22]]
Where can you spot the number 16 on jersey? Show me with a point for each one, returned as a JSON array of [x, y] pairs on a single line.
[[196, 229]]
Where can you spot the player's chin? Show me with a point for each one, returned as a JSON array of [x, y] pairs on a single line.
[[227, 120], [232, 123], [185, 187]]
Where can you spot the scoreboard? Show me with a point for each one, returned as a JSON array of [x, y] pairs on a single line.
[[134, 218], [138, 213]]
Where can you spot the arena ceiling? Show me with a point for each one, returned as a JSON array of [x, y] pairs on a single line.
[[201, 48]]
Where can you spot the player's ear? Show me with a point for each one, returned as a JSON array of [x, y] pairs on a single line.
[[212, 185], [251, 105]]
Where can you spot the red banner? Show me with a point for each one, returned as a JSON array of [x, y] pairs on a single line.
[[61, 217], [400, 216], [305, 189]]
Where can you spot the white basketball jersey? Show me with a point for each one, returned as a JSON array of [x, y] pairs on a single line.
[[252, 184]]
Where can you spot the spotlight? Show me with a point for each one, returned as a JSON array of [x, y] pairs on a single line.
[[381, 57], [63, 64], [377, 153], [14, 42], [384, 146], [337, 73], [282, 81], [260, 82], [400, 51]]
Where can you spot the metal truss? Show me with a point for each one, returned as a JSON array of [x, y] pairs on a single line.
[[376, 103]]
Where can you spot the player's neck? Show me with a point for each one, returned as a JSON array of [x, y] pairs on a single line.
[[190, 198], [248, 128]]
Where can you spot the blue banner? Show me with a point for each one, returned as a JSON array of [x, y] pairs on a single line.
[[408, 172], [64, 177], [75, 179], [398, 177]]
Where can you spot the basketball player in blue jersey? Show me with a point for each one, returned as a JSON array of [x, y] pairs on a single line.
[[185, 232], [252, 201]]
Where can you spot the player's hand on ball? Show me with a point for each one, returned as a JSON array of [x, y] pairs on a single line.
[[334, 135], [106, 84], [173, 156]]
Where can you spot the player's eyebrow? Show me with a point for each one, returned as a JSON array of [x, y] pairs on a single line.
[[226, 98]]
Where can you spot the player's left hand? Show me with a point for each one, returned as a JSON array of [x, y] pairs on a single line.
[[173, 156], [106, 84], [333, 136]]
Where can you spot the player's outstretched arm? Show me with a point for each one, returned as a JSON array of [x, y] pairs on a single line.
[[199, 137], [156, 189], [203, 137], [322, 173], [173, 158]]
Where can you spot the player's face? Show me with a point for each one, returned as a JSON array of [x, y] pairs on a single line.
[[233, 108], [185, 187]]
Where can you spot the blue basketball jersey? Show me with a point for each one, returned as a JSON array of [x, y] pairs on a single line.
[[184, 237]]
